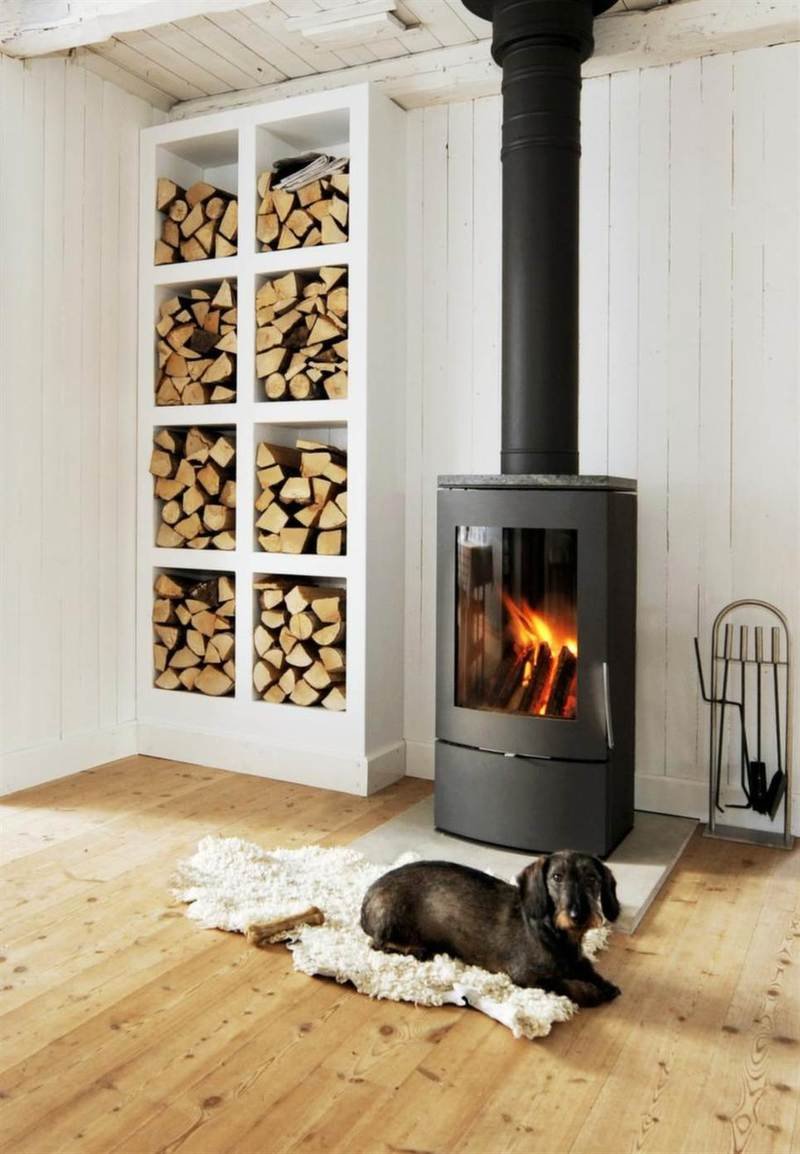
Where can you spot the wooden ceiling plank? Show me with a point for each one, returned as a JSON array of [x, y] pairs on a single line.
[[207, 32], [294, 8], [418, 39], [273, 21], [356, 54], [152, 44], [132, 61], [92, 61], [201, 55], [440, 19], [198, 30], [332, 5], [238, 25], [387, 49]]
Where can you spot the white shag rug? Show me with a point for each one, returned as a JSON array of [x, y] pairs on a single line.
[[230, 884]]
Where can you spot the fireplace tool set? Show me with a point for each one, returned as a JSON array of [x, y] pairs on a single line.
[[750, 699]]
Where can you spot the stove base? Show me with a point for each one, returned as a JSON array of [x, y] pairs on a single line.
[[533, 804]]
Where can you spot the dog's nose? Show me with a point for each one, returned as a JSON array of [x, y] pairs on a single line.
[[574, 913]]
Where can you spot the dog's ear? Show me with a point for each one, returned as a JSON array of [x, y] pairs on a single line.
[[532, 884], [608, 893]]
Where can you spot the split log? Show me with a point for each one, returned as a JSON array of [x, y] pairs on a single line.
[[193, 623]]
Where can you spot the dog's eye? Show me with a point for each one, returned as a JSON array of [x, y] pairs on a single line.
[[556, 877]]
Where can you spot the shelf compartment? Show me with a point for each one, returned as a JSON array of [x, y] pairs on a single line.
[[300, 490], [299, 641], [194, 626], [196, 199], [302, 348], [195, 352], [194, 488], [323, 132]]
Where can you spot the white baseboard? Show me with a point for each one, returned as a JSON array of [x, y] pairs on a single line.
[[355, 775], [681, 796], [386, 767], [688, 797], [28, 767]]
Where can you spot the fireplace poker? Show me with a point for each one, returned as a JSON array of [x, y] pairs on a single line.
[[726, 649]]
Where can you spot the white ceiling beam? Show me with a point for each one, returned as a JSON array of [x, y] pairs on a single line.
[[38, 27], [623, 42]]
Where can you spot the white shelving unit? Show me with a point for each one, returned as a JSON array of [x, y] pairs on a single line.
[[361, 749]]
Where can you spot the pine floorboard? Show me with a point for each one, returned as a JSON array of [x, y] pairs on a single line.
[[126, 1028]]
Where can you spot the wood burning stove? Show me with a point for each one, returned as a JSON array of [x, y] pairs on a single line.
[[535, 660], [537, 567]]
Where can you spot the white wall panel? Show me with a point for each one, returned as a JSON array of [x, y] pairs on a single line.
[[689, 358], [69, 189]]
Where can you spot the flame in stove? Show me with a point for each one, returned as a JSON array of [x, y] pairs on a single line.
[[529, 629]]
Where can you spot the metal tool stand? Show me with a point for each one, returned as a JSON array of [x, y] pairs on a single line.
[[777, 666]]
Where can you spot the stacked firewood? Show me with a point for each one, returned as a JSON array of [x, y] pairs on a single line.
[[299, 643], [195, 484], [197, 347], [302, 506], [193, 633], [301, 336], [314, 214], [199, 223]]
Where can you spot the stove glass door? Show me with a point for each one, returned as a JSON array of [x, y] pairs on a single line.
[[517, 620]]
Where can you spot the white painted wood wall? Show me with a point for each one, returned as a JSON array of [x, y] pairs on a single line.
[[689, 360], [69, 191]]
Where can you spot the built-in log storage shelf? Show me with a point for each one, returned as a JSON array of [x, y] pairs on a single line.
[[359, 748]]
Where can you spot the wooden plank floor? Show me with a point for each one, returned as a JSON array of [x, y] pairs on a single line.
[[124, 1027]]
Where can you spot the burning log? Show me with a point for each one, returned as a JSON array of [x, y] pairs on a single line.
[[563, 683], [536, 689], [508, 677]]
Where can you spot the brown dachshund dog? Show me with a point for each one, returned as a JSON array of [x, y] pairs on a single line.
[[531, 931]]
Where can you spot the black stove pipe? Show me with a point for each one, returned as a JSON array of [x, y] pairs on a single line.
[[540, 45]]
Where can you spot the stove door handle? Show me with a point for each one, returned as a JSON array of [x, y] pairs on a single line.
[[607, 705]]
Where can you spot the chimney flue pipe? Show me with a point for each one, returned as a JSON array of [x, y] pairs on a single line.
[[540, 45]]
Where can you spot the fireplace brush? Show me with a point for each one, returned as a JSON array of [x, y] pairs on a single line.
[[753, 708]]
